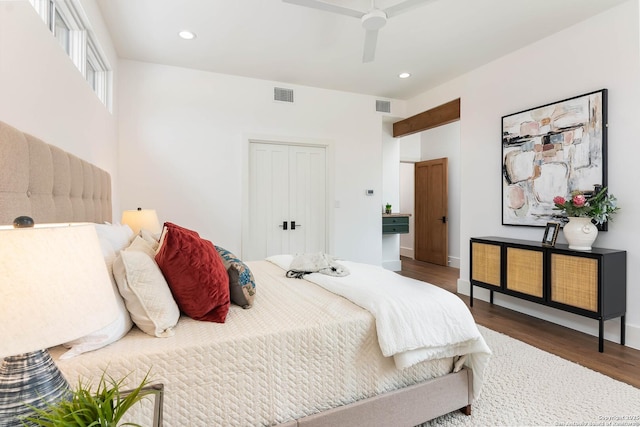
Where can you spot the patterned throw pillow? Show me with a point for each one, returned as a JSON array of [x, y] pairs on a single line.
[[242, 286]]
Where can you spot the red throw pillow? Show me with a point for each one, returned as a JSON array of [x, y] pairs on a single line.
[[195, 274]]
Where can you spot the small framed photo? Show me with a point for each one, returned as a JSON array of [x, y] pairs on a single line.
[[550, 233]]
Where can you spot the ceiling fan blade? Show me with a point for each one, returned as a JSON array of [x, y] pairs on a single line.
[[370, 41], [404, 6], [316, 4]]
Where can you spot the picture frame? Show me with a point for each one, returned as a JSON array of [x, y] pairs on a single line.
[[552, 150], [550, 234]]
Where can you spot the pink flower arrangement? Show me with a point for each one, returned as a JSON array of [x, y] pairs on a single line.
[[599, 207], [577, 201]]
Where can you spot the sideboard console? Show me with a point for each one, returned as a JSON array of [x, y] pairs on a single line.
[[588, 283]]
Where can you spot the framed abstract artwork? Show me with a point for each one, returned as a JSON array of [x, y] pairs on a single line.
[[549, 151]]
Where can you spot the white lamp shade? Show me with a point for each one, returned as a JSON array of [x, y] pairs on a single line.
[[54, 287], [142, 219]]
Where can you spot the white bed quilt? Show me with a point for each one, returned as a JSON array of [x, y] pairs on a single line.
[[298, 351], [415, 321]]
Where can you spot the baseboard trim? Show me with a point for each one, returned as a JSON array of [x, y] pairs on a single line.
[[559, 317], [408, 252], [452, 261]]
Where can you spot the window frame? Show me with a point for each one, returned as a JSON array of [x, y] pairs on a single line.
[[83, 47]]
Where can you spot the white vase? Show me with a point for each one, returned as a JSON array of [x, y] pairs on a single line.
[[580, 233]]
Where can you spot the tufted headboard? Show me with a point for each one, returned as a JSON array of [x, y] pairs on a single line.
[[49, 184]]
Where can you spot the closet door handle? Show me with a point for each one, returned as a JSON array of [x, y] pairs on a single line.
[[284, 225], [294, 225]]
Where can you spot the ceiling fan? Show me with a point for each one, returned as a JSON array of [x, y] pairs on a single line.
[[372, 20]]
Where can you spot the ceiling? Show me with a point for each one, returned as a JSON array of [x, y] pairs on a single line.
[[273, 40]]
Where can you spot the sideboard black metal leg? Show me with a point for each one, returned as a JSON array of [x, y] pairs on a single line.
[[471, 296], [601, 336], [491, 296], [622, 329]]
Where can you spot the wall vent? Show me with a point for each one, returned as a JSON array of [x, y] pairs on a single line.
[[282, 94], [383, 106]]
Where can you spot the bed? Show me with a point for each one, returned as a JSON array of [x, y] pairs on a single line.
[[300, 356]]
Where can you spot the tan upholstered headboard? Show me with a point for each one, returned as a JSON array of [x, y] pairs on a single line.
[[49, 184]]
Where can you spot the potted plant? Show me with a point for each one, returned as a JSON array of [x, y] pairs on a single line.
[[599, 207], [84, 408], [387, 208], [583, 211]]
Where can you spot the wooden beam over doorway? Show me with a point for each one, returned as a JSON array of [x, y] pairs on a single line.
[[438, 116]]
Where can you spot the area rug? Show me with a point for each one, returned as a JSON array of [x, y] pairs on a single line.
[[525, 386]]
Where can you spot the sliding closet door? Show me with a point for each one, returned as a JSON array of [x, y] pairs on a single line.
[[287, 200]]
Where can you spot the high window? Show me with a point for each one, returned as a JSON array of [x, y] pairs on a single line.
[[61, 31], [70, 26]]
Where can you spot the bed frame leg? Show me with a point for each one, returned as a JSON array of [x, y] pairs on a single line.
[[466, 410]]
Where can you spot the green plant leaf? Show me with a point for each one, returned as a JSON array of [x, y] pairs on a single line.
[[85, 408]]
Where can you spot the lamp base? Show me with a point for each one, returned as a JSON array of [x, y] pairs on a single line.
[[29, 379]]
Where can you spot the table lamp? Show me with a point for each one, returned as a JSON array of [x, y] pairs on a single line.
[[142, 218], [54, 288]]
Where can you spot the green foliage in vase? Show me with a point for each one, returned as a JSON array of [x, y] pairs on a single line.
[[599, 207], [85, 408]]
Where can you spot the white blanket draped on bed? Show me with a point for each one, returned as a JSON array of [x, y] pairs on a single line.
[[415, 321]]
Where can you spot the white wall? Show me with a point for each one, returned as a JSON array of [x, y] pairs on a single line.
[[410, 150], [436, 143], [390, 168], [184, 150], [407, 205], [390, 194], [44, 94], [409, 153], [601, 52]]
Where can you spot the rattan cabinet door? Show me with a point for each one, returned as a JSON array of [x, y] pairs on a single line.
[[525, 271], [574, 281], [486, 263]]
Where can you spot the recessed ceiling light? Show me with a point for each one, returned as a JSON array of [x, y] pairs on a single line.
[[187, 35], [404, 75]]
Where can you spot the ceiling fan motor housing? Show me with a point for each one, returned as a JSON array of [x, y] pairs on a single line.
[[374, 20]]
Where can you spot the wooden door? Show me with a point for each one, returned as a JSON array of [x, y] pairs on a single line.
[[287, 185], [431, 211]]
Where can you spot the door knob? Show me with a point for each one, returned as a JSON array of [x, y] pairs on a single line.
[[284, 225]]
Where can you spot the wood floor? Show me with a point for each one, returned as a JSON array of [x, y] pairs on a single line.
[[619, 362]]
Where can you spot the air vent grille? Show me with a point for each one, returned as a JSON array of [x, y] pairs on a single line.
[[383, 106], [282, 94]]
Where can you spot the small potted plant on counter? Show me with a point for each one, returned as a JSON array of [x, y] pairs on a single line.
[[387, 208]]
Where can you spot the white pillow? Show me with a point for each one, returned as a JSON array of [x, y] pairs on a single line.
[[112, 238], [102, 337], [145, 290], [163, 235], [118, 235], [151, 238]]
